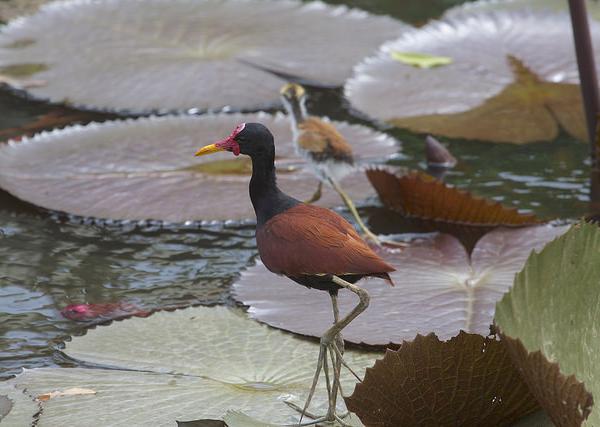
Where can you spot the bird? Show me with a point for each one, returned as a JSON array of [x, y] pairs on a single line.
[[313, 246], [325, 149]]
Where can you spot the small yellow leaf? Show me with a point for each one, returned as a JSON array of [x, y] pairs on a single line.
[[75, 391], [421, 60]]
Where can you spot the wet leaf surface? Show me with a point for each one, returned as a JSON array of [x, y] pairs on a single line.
[[146, 169], [179, 55], [183, 365], [438, 289], [551, 315], [435, 206], [468, 380], [507, 64]]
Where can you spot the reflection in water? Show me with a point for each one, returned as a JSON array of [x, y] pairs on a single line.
[[45, 266]]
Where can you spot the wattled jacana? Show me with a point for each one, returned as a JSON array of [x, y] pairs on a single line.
[[326, 150], [313, 246]]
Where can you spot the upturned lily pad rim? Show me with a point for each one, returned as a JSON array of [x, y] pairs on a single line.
[[371, 146], [333, 10]]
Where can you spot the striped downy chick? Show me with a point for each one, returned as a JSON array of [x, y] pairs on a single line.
[[326, 150]]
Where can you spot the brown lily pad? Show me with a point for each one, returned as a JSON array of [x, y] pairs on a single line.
[[469, 380], [146, 169], [439, 289], [551, 317], [513, 78], [435, 206]]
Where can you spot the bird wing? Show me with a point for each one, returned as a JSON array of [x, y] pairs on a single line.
[[309, 240], [322, 140]]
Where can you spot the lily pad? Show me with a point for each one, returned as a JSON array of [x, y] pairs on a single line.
[[469, 380], [438, 289], [146, 169], [184, 365], [16, 408], [551, 315], [593, 6], [435, 206], [180, 54], [513, 79]]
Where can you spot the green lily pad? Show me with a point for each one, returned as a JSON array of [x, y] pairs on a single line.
[[550, 317], [146, 169], [185, 365], [181, 54], [513, 79], [421, 60], [22, 70], [16, 408]]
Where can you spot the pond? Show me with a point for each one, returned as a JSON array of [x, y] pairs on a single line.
[[48, 261]]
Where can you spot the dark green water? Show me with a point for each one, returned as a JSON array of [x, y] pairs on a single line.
[[48, 262]]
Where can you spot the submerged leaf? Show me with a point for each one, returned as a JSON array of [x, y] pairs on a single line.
[[435, 206], [102, 311], [182, 54], [504, 84], [438, 289], [553, 308], [467, 381], [184, 365], [420, 60], [146, 169]]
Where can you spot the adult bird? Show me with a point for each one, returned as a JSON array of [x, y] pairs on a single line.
[[313, 246], [326, 150]]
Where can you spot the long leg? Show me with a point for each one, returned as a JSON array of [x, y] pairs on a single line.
[[337, 360], [328, 343], [317, 195], [367, 233], [350, 205]]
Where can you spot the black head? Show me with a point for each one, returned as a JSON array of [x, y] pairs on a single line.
[[251, 139]]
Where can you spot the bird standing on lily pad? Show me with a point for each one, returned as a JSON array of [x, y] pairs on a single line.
[[325, 149], [312, 246]]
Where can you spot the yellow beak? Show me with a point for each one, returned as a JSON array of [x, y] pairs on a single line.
[[208, 149]]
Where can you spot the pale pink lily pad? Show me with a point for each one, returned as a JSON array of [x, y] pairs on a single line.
[[180, 54], [438, 289], [146, 169]]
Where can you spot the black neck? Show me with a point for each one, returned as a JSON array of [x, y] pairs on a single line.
[[268, 200]]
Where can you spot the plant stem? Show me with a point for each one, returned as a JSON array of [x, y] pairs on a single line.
[[589, 87]]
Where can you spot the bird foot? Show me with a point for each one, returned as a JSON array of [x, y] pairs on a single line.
[[328, 348]]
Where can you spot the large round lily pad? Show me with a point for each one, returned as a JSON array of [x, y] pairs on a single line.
[[189, 364], [550, 318], [512, 78], [438, 289], [181, 54], [593, 6], [146, 169]]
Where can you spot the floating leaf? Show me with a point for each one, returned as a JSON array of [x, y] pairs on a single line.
[[16, 409], [438, 289], [435, 206], [181, 54], [467, 381], [184, 365], [74, 391], [551, 315], [593, 7], [420, 60], [505, 83], [145, 168]]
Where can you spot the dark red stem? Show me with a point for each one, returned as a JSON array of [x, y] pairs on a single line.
[[589, 86]]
